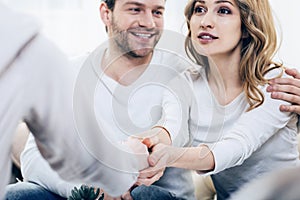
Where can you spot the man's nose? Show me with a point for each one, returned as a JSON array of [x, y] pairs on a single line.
[[147, 20]]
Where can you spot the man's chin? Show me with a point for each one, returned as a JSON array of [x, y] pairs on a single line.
[[141, 52]]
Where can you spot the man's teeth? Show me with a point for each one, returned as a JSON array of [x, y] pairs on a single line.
[[143, 35]]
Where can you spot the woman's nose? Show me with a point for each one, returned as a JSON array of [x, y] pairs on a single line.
[[207, 21]]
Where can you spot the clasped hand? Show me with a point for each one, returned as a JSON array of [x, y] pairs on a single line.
[[161, 155]]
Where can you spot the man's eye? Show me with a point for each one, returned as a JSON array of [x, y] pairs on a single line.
[[135, 10], [225, 11], [199, 9], [158, 13]]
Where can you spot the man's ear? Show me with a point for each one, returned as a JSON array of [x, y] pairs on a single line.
[[105, 14]]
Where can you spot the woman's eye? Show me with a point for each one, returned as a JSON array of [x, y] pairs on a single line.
[[199, 9], [225, 11]]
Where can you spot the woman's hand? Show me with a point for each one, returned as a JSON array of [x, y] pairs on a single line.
[[162, 156], [158, 161], [153, 139]]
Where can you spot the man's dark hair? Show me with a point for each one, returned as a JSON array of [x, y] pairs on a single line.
[[110, 3]]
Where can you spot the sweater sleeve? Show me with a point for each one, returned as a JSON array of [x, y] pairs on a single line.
[[250, 132], [36, 169], [176, 103], [64, 124]]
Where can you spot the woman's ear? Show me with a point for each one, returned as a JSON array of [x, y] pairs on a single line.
[[105, 14]]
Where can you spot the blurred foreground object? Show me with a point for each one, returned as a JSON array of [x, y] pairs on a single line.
[[278, 185]]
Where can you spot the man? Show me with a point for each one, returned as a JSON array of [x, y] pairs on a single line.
[[127, 97], [35, 87]]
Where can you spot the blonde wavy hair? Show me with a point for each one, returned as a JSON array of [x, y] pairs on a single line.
[[258, 48]]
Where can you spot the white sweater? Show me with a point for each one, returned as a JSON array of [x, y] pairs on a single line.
[[126, 110], [244, 144]]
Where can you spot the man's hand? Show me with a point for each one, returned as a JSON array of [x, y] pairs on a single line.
[[125, 196], [140, 150], [151, 138], [287, 89], [150, 175], [157, 161], [162, 156], [107, 197], [154, 136]]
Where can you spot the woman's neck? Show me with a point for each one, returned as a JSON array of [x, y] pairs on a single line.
[[224, 78]]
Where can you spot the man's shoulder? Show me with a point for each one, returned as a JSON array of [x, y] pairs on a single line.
[[172, 59], [78, 60]]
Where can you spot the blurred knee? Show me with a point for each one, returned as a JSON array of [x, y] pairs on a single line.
[[204, 187]]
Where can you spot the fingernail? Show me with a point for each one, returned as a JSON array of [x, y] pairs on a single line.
[[274, 94], [283, 108], [146, 142], [269, 88]]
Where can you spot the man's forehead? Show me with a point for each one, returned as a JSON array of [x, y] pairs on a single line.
[[152, 3]]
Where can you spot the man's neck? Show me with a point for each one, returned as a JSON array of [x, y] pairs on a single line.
[[124, 69]]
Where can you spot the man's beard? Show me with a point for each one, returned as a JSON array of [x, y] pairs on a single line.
[[126, 44]]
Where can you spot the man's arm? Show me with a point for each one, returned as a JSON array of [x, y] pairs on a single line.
[[287, 89]]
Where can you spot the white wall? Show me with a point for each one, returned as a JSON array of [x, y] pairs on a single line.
[[76, 27], [288, 16]]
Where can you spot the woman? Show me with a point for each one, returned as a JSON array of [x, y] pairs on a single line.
[[239, 133]]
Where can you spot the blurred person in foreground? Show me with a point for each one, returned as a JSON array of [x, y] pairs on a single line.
[[35, 87]]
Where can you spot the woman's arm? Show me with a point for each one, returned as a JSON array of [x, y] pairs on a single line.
[[195, 158], [252, 130]]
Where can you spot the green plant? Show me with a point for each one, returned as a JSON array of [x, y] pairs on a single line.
[[85, 193]]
